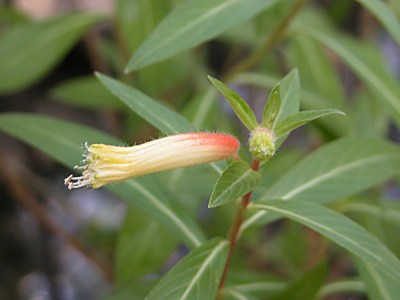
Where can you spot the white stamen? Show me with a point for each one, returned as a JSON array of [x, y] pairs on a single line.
[[81, 167], [78, 181]]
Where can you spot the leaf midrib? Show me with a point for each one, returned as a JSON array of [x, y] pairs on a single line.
[[183, 30], [203, 268], [233, 185], [166, 211], [334, 172], [322, 227]]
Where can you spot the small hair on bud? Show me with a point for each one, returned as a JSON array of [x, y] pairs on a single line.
[[262, 144]]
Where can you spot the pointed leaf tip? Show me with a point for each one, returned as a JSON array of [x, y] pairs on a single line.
[[239, 106], [272, 107], [301, 118]]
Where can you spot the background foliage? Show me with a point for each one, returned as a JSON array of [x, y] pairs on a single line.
[[323, 222]]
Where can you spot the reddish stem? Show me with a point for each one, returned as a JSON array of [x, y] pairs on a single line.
[[235, 228]]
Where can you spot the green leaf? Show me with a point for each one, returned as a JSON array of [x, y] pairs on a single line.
[[258, 218], [62, 141], [28, 52], [196, 276], [136, 19], [86, 92], [309, 99], [338, 228], [155, 113], [301, 118], [150, 195], [341, 286], [338, 169], [236, 181], [191, 23], [271, 110], [289, 88], [250, 282], [234, 294], [143, 246], [387, 211], [379, 286], [367, 63], [385, 16], [304, 287], [240, 107], [317, 72]]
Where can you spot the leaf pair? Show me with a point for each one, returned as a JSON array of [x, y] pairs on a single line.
[[272, 110], [238, 179]]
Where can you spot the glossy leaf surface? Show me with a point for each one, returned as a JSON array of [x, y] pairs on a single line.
[[340, 230], [272, 107], [378, 285], [153, 112], [191, 23], [196, 276], [366, 62], [236, 181], [240, 107], [338, 169], [301, 118]]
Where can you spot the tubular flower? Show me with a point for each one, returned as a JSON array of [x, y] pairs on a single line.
[[106, 164]]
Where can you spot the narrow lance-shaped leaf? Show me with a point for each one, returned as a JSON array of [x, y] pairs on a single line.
[[240, 107], [378, 285], [340, 229], [383, 13], [236, 181], [29, 51], [342, 286], [317, 70], [196, 276], [147, 194], [367, 63], [63, 140], [289, 89], [301, 118], [191, 23], [272, 107], [156, 114], [290, 100], [309, 100], [387, 211], [338, 169], [232, 293]]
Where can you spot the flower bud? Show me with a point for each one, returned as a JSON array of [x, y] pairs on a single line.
[[262, 144], [107, 164]]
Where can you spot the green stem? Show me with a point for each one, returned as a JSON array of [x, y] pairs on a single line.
[[235, 229], [267, 46]]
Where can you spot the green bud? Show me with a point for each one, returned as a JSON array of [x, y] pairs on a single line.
[[262, 144]]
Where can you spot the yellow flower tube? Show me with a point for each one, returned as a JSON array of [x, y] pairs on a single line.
[[107, 164]]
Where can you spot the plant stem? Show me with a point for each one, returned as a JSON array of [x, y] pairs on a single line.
[[235, 229], [267, 46]]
